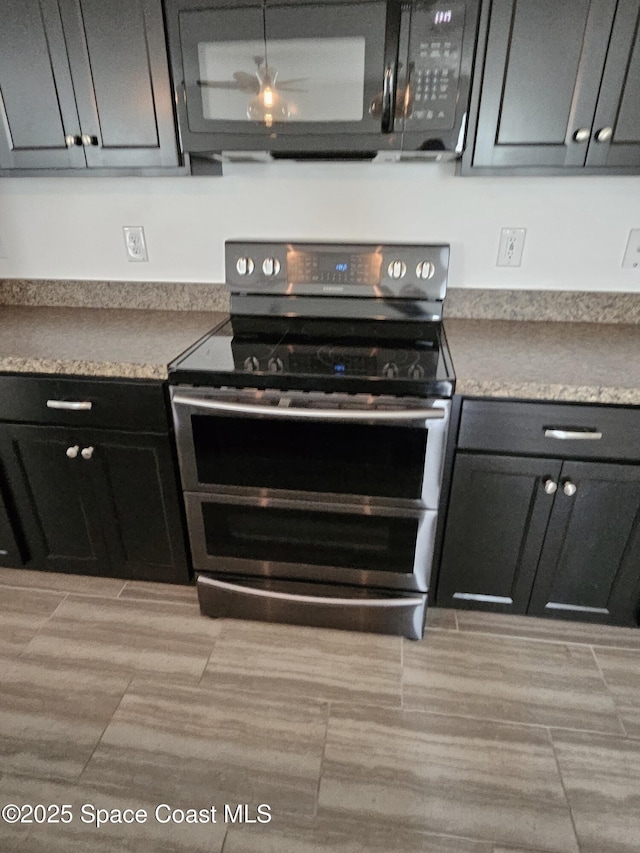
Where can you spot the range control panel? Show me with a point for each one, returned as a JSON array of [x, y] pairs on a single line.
[[343, 269]]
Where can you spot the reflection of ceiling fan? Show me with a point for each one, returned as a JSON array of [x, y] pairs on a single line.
[[266, 105]]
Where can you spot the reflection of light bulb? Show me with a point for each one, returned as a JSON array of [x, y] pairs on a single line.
[[267, 106]]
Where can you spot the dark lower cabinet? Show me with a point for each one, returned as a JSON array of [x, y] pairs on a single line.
[[543, 536], [590, 563], [99, 502], [498, 515]]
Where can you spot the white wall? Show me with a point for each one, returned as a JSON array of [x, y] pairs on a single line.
[[71, 228]]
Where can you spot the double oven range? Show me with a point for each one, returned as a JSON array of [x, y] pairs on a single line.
[[311, 432]]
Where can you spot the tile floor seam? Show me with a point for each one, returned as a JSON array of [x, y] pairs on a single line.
[[208, 661], [108, 723], [224, 840], [564, 789], [50, 591], [499, 721], [322, 757], [559, 641], [609, 692], [142, 600], [41, 627]]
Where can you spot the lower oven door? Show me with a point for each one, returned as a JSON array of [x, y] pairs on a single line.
[[357, 545]]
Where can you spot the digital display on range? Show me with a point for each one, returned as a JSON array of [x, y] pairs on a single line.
[[333, 267]]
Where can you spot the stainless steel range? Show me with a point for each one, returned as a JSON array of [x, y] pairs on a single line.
[[311, 434]]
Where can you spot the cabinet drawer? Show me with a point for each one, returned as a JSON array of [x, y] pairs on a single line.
[[569, 431], [117, 404]]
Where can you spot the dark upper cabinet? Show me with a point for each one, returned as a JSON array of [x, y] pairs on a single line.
[[84, 83], [557, 87]]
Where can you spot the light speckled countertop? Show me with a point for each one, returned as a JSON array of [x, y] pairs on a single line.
[[579, 362], [135, 344]]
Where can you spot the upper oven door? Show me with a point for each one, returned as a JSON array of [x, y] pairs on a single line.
[[331, 448], [306, 76]]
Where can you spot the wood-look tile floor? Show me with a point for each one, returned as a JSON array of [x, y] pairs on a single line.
[[495, 734]]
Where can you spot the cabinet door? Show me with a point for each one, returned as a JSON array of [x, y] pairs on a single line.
[[136, 479], [616, 129], [37, 103], [119, 64], [540, 81], [57, 505], [590, 564], [496, 522]]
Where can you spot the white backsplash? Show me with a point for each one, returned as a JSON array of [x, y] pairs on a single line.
[[71, 228]]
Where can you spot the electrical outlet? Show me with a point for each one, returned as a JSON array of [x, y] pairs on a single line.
[[135, 243], [631, 258], [511, 247]]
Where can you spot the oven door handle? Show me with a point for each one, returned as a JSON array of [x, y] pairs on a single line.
[[290, 412], [412, 601]]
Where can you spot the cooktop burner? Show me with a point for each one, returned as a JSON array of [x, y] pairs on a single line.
[[358, 356]]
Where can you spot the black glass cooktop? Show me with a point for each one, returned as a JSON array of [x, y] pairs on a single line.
[[357, 356]]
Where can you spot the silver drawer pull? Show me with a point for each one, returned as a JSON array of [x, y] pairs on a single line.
[[310, 599], [573, 434], [71, 405], [313, 414]]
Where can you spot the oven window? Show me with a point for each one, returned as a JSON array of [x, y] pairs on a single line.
[[346, 540], [296, 81], [361, 459]]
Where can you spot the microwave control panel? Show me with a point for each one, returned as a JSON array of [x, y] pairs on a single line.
[[435, 50]]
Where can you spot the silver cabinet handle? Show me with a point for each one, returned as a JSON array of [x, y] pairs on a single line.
[[550, 487], [72, 452], [582, 134], [86, 452], [573, 434], [69, 140], [312, 414], [604, 134], [569, 489], [70, 405]]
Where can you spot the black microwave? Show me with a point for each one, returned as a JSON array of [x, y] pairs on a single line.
[[322, 78]]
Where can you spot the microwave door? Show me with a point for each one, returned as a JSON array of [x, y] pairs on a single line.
[[277, 77], [336, 55]]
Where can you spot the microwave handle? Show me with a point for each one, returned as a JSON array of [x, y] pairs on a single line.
[[290, 412], [390, 77]]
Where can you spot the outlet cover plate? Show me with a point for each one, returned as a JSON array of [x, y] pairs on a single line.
[[511, 247], [135, 243], [631, 258]]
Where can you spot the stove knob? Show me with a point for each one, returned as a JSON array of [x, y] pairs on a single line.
[[251, 364], [416, 371], [275, 365], [271, 266], [397, 269], [390, 370], [425, 269], [245, 266]]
